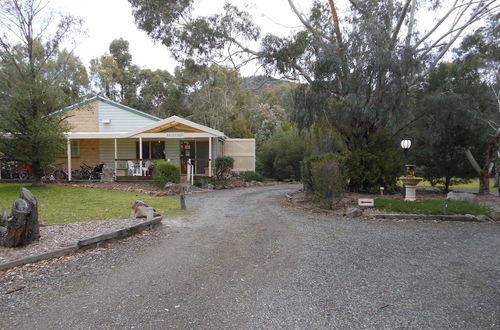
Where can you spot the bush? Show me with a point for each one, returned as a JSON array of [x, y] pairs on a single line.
[[373, 164], [282, 153], [165, 171], [324, 179], [223, 167], [252, 176]]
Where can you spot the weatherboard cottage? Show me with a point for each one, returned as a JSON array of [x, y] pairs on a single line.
[[129, 140]]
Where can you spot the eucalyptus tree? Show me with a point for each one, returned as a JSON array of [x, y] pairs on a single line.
[[481, 51], [358, 72], [214, 96], [36, 79], [114, 74]]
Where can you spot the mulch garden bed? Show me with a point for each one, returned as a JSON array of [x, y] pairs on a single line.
[[301, 201]]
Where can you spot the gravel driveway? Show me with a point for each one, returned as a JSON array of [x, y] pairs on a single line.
[[241, 259]]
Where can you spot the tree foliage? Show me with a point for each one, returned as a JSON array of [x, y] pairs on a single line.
[[456, 103], [36, 79], [359, 78], [282, 154]]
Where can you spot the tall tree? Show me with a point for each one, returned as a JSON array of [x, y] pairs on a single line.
[[32, 74], [358, 77], [214, 96], [455, 102], [481, 51], [159, 94], [115, 75]]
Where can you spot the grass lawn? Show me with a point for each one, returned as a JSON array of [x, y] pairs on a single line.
[[60, 204], [474, 184], [431, 206]]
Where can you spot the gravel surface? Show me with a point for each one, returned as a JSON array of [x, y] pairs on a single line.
[[55, 237], [242, 259]]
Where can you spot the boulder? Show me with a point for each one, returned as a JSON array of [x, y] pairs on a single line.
[[461, 196], [353, 212], [141, 209], [172, 188], [108, 174], [346, 201], [483, 218]]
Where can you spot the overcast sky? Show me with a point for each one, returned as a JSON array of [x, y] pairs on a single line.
[[106, 20]]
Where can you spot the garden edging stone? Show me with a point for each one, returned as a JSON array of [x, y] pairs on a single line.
[[83, 244]]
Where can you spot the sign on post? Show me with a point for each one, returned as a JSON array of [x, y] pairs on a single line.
[[367, 202]]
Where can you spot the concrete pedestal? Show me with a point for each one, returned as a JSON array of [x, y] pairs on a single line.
[[411, 193]]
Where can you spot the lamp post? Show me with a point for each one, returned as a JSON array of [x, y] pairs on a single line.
[[405, 145]]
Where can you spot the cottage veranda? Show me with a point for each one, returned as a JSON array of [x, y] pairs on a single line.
[[129, 140]]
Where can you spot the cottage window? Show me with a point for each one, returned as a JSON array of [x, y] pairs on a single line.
[[151, 150]]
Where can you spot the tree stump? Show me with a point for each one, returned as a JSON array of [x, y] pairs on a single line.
[[21, 227]]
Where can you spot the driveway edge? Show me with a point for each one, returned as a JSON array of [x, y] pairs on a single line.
[[84, 244]]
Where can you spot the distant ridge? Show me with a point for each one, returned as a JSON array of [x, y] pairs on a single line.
[[257, 84]]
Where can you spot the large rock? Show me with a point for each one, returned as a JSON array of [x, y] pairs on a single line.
[[141, 209], [461, 196], [21, 227], [483, 218], [108, 174], [353, 212], [172, 188]]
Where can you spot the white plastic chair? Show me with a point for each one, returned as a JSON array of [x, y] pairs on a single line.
[[132, 170], [145, 168]]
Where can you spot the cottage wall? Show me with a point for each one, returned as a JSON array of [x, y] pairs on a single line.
[[89, 154], [84, 118], [115, 119], [243, 152]]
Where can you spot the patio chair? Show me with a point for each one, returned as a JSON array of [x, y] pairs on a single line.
[[145, 168], [132, 170]]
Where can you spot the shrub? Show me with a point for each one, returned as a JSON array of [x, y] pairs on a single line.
[[165, 171], [223, 167], [373, 164], [282, 153], [324, 179], [251, 176]]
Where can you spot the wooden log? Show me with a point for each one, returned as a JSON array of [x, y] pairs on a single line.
[[40, 257], [119, 233]]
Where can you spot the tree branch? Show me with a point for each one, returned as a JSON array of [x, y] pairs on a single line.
[[304, 21], [472, 161], [399, 24]]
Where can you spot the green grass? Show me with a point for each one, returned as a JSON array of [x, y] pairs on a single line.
[[61, 204], [474, 184], [430, 206]]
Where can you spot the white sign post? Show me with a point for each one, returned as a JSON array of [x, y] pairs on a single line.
[[367, 202]]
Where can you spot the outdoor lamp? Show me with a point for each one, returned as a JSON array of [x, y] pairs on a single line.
[[406, 143]]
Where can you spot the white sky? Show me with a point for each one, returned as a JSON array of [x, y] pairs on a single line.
[[106, 20]]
